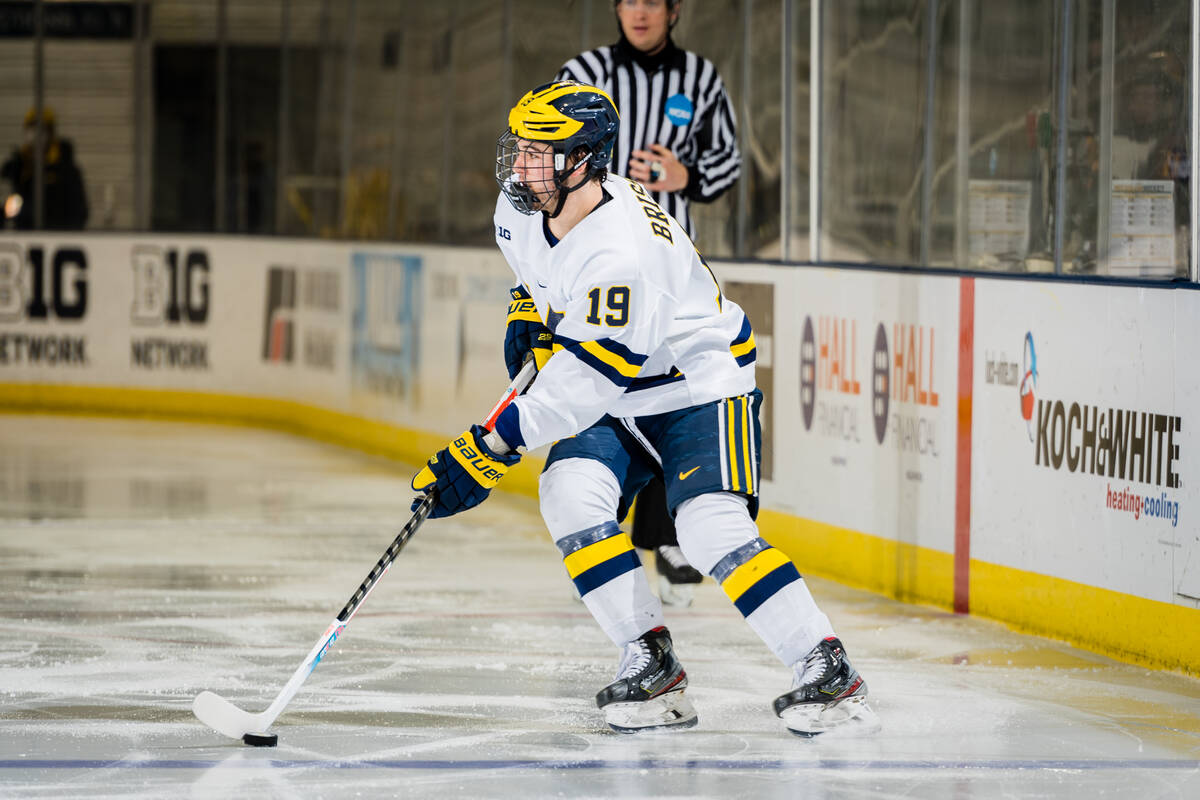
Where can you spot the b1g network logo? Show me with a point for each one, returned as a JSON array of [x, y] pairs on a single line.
[[1141, 447]]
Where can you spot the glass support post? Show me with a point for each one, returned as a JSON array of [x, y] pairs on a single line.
[[222, 118], [39, 104], [1060, 172], [962, 140], [349, 62], [743, 188], [585, 25], [283, 157], [1108, 49], [139, 113], [785, 135], [398, 163], [448, 137], [815, 93], [1194, 142], [927, 158]]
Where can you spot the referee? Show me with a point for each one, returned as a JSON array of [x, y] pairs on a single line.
[[678, 137], [678, 134]]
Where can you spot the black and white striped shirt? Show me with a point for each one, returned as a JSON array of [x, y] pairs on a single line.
[[674, 98]]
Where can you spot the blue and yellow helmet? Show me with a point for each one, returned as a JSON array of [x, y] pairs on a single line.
[[573, 118], [568, 114]]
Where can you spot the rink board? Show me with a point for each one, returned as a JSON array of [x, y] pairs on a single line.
[[909, 447]]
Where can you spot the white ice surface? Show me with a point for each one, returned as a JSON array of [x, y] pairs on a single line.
[[142, 562]]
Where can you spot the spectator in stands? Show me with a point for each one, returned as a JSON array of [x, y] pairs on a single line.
[[64, 203]]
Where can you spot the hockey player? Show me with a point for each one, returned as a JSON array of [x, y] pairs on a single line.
[[649, 369]]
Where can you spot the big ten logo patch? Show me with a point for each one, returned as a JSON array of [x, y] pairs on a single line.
[[170, 288], [37, 286], [292, 295], [42, 286]]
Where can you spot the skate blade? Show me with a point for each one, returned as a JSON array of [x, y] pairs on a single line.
[[676, 595], [850, 717], [667, 711]]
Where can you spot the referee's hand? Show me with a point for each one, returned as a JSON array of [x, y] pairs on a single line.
[[672, 175]]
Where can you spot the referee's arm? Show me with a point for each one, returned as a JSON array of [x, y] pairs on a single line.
[[718, 163]]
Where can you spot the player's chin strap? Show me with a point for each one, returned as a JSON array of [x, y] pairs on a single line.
[[563, 189]]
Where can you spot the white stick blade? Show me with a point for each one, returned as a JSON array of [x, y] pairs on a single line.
[[224, 717]]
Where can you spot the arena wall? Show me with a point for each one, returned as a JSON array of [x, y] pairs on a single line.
[[1017, 449]]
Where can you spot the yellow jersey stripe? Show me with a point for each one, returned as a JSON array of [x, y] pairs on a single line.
[[612, 359], [584, 559], [743, 348], [754, 570]]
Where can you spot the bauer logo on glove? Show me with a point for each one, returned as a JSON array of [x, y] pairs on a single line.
[[462, 475], [480, 466]]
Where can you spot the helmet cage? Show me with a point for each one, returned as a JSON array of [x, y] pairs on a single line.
[[523, 198], [521, 195]]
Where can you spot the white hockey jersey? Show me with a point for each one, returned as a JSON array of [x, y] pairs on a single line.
[[640, 325]]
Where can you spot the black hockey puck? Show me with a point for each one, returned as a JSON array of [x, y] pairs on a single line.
[[261, 739]]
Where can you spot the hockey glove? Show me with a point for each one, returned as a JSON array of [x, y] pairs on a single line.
[[525, 333], [463, 474]]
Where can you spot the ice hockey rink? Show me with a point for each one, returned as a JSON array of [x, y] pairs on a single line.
[[145, 561]]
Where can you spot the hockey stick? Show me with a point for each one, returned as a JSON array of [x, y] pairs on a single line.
[[224, 717]]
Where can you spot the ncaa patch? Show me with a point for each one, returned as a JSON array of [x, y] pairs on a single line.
[[679, 110]]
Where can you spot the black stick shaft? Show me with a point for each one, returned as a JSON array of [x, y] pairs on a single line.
[[387, 558], [518, 385]]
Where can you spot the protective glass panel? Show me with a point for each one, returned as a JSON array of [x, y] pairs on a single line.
[[84, 131], [1149, 203], [941, 184], [539, 49], [715, 31], [766, 214], [872, 117], [1012, 151], [18, 138]]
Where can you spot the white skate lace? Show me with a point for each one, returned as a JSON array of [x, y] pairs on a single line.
[[634, 659], [812, 669]]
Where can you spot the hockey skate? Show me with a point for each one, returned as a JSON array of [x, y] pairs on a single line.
[[676, 577], [827, 695], [648, 691]]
